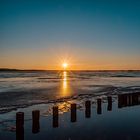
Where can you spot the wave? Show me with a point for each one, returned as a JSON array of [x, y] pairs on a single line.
[[10, 101]]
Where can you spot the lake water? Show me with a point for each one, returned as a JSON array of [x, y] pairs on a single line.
[[113, 113]]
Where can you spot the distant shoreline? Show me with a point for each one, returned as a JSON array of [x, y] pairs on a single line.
[[35, 70]]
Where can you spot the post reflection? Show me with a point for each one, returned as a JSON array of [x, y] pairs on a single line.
[[55, 116], [20, 126]]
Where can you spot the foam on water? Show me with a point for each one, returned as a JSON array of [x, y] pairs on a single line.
[[21, 89]]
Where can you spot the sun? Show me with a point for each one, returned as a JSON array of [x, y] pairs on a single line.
[[65, 65]]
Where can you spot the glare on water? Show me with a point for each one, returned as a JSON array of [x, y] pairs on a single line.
[[65, 85]]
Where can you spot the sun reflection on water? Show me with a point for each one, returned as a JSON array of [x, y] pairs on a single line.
[[65, 80], [65, 85]]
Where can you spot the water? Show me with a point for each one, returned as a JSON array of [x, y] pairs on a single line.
[[30, 90], [24, 88]]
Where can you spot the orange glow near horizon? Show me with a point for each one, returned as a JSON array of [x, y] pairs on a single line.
[[68, 59]]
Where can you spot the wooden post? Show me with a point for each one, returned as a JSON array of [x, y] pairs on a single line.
[[19, 126], [55, 116], [120, 101], [135, 98], [109, 107], [130, 99], [35, 121], [125, 103], [99, 107], [73, 112], [87, 109]]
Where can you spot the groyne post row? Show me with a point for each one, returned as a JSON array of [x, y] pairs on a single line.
[[55, 118], [124, 100], [55, 112]]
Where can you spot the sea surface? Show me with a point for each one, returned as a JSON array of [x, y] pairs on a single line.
[[114, 104]]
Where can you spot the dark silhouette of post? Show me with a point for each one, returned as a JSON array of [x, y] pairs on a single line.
[[125, 103], [73, 112], [120, 101], [109, 99], [99, 106], [35, 121], [55, 116], [87, 109], [135, 99], [130, 99], [19, 126]]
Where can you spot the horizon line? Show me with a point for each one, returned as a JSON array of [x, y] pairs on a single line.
[[14, 69]]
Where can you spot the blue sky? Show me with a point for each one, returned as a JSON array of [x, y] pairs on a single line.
[[110, 29]]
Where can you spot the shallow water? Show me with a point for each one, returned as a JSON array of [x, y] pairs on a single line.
[[25, 88], [115, 117]]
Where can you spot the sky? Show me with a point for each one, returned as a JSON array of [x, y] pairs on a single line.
[[86, 34]]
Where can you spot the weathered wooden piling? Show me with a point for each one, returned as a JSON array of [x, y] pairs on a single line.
[[109, 99], [135, 98], [99, 106], [120, 101], [87, 109], [73, 112], [55, 116], [124, 100], [19, 126], [129, 97], [35, 121], [19, 119]]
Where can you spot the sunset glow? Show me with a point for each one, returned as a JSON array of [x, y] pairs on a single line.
[[64, 65], [69, 69], [75, 40]]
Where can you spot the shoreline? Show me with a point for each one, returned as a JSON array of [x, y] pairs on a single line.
[[79, 97]]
